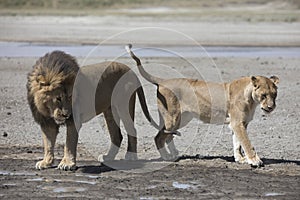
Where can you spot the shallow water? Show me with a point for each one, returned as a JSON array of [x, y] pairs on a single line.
[[20, 173], [15, 49], [272, 194], [181, 185]]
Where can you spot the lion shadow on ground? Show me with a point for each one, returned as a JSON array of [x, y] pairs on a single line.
[[149, 164], [94, 169], [266, 161], [113, 165]]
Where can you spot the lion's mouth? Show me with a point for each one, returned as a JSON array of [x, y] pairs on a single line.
[[267, 110], [60, 121]]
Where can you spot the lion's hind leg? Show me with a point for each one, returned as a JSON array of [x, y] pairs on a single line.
[[127, 116], [113, 125]]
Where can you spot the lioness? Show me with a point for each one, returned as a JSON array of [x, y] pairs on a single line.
[[180, 100], [108, 88]]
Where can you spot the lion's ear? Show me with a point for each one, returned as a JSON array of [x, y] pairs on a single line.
[[254, 81], [275, 79]]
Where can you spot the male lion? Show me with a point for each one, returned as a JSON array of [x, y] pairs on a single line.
[[180, 100], [108, 88]]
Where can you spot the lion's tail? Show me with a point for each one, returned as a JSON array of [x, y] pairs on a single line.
[[146, 75], [145, 109]]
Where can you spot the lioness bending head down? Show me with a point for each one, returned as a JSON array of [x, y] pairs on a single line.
[[180, 100], [108, 88]]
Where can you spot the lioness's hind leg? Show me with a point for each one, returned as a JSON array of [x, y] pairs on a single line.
[[113, 123], [171, 146], [160, 141], [49, 134]]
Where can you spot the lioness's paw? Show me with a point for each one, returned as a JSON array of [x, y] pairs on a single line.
[[240, 159], [174, 152], [255, 161], [165, 155], [43, 165], [67, 165], [131, 156]]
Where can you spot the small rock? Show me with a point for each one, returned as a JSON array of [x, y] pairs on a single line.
[[5, 134], [8, 113]]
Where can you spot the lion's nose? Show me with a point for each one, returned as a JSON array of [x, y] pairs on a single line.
[[65, 115], [270, 108]]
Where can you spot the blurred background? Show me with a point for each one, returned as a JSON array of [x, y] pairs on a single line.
[[239, 10]]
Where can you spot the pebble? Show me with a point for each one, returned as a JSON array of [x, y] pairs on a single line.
[[5, 134]]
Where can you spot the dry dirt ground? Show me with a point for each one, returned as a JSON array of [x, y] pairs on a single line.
[[206, 169]]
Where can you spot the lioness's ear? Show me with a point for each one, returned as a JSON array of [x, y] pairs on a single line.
[[275, 79], [254, 81]]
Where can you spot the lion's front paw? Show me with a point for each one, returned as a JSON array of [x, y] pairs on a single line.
[[67, 165], [255, 161], [131, 156], [43, 165]]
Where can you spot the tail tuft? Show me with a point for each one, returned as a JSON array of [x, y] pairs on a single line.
[[128, 47]]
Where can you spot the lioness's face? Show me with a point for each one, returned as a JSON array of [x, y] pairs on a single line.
[[59, 103], [265, 92]]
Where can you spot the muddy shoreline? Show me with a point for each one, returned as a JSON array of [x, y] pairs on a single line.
[[208, 178]]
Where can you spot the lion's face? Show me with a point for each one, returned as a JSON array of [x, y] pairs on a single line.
[[56, 103], [265, 92], [60, 106]]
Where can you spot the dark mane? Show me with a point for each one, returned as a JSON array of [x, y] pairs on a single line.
[[55, 69], [58, 62]]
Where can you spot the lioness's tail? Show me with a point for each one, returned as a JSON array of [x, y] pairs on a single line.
[[141, 95], [146, 75]]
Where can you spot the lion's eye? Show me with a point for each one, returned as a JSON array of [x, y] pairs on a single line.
[[263, 96], [58, 99]]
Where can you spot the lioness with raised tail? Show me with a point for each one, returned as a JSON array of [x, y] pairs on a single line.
[[181, 99]]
